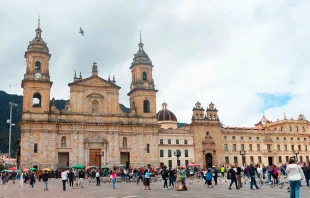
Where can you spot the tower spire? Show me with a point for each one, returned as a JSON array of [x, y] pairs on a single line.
[[39, 22], [140, 37], [140, 44]]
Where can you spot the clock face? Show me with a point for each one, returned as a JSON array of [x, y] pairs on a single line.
[[38, 75]]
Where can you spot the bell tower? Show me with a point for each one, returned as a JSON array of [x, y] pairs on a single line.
[[36, 82], [142, 89]]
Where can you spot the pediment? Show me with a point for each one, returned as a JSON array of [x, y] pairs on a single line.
[[95, 81], [95, 95]]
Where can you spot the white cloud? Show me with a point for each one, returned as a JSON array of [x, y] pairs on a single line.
[[221, 51]]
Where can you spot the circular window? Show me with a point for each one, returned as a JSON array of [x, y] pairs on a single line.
[[207, 133]]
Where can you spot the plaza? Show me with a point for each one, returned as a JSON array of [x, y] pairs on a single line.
[[196, 188]]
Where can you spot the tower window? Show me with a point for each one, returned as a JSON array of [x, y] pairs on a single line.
[[36, 100], [95, 106], [290, 128], [296, 128], [37, 66], [303, 129], [146, 106], [35, 147], [144, 76]]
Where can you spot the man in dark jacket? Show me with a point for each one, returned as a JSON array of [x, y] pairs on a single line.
[[307, 173], [71, 178], [45, 179], [164, 175], [215, 175], [252, 171], [239, 176]]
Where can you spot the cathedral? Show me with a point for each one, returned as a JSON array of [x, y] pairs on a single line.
[[93, 130]]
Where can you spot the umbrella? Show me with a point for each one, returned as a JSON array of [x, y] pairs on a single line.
[[78, 166], [17, 171], [33, 169], [106, 166], [47, 169], [194, 164], [12, 168], [4, 171], [25, 169], [88, 167], [121, 165]]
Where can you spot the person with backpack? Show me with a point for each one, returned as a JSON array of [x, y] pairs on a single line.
[[209, 178], [275, 174], [32, 180]]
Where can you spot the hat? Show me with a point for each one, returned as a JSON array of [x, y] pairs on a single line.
[[213, 166]]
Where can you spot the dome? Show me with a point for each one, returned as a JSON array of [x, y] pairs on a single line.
[[165, 114]]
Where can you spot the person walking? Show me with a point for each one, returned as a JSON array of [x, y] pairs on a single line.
[[171, 178], [232, 176], [64, 177], [71, 178], [140, 175], [81, 177], [222, 170], [252, 175], [32, 180], [21, 180], [98, 178], [307, 173], [239, 176], [113, 178], [295, 175], [164, 175], [209, 178], [45, 179], [215, 174]]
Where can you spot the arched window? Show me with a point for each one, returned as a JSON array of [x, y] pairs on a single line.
[[144, 76], [275, 129], [124, 142], [296, 128], [95, 106], [200, 116], [146, 106], [290, 128], [303, 129], [281, 129], [196, 115], [63, 142], [37, 66], [36, 100]]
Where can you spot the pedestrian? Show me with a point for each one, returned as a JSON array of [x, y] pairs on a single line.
[[32, 180], [239, 176], [232, 176], [81, 177], [140, 175], [113, 178], [171, 178], [147, 177], [307, 173], [71, 178], [164, 174], [222, 170], [97, 178], [252, 175], [45, 179], [64, 177], [209, 178], [215, 175], [295, 175], [21, 180]]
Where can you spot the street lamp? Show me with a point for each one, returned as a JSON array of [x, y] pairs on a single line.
[[296, 153], [242, 153], [177, 153], [11, 124], [99, 157]]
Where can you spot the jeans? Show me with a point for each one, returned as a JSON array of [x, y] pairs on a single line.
[[253, 181], [239, 181], [45, 185], [165, 183], [113, 182], [295, 188], [98, 181], [31, 186], [64, 185], [269, 177], [233, 179], [215, 180], [135, 175], [171, 181]]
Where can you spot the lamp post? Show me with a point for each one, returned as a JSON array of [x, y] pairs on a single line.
[[242, 153], [10, 122], [98, 155], [296, 153], [177, 153]]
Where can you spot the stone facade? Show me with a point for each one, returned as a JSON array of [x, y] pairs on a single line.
[[93, 130]]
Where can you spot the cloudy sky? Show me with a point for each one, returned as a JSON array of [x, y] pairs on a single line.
[[247, 57]]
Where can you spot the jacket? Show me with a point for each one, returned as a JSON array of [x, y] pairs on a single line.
[[45, 177], [208, 176], [252, 170], [307, 173], [294, 172]]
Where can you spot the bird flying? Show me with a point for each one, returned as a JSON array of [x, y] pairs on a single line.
[[81, 31]]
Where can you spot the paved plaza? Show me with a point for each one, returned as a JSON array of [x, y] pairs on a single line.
[[131, 190]]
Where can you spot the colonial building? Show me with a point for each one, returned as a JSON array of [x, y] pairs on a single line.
[[92, 129]]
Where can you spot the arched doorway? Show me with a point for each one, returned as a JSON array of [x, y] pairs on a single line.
[[208, 160]]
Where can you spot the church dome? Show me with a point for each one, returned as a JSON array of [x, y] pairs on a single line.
[[165, 114]]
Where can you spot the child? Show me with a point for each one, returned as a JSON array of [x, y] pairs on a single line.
[[209, 178]]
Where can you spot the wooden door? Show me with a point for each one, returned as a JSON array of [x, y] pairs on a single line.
[[93, 158]]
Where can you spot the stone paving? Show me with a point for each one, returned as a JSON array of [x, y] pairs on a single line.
[[132, 190]]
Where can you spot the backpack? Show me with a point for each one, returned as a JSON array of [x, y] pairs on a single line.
[[275, 172]]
